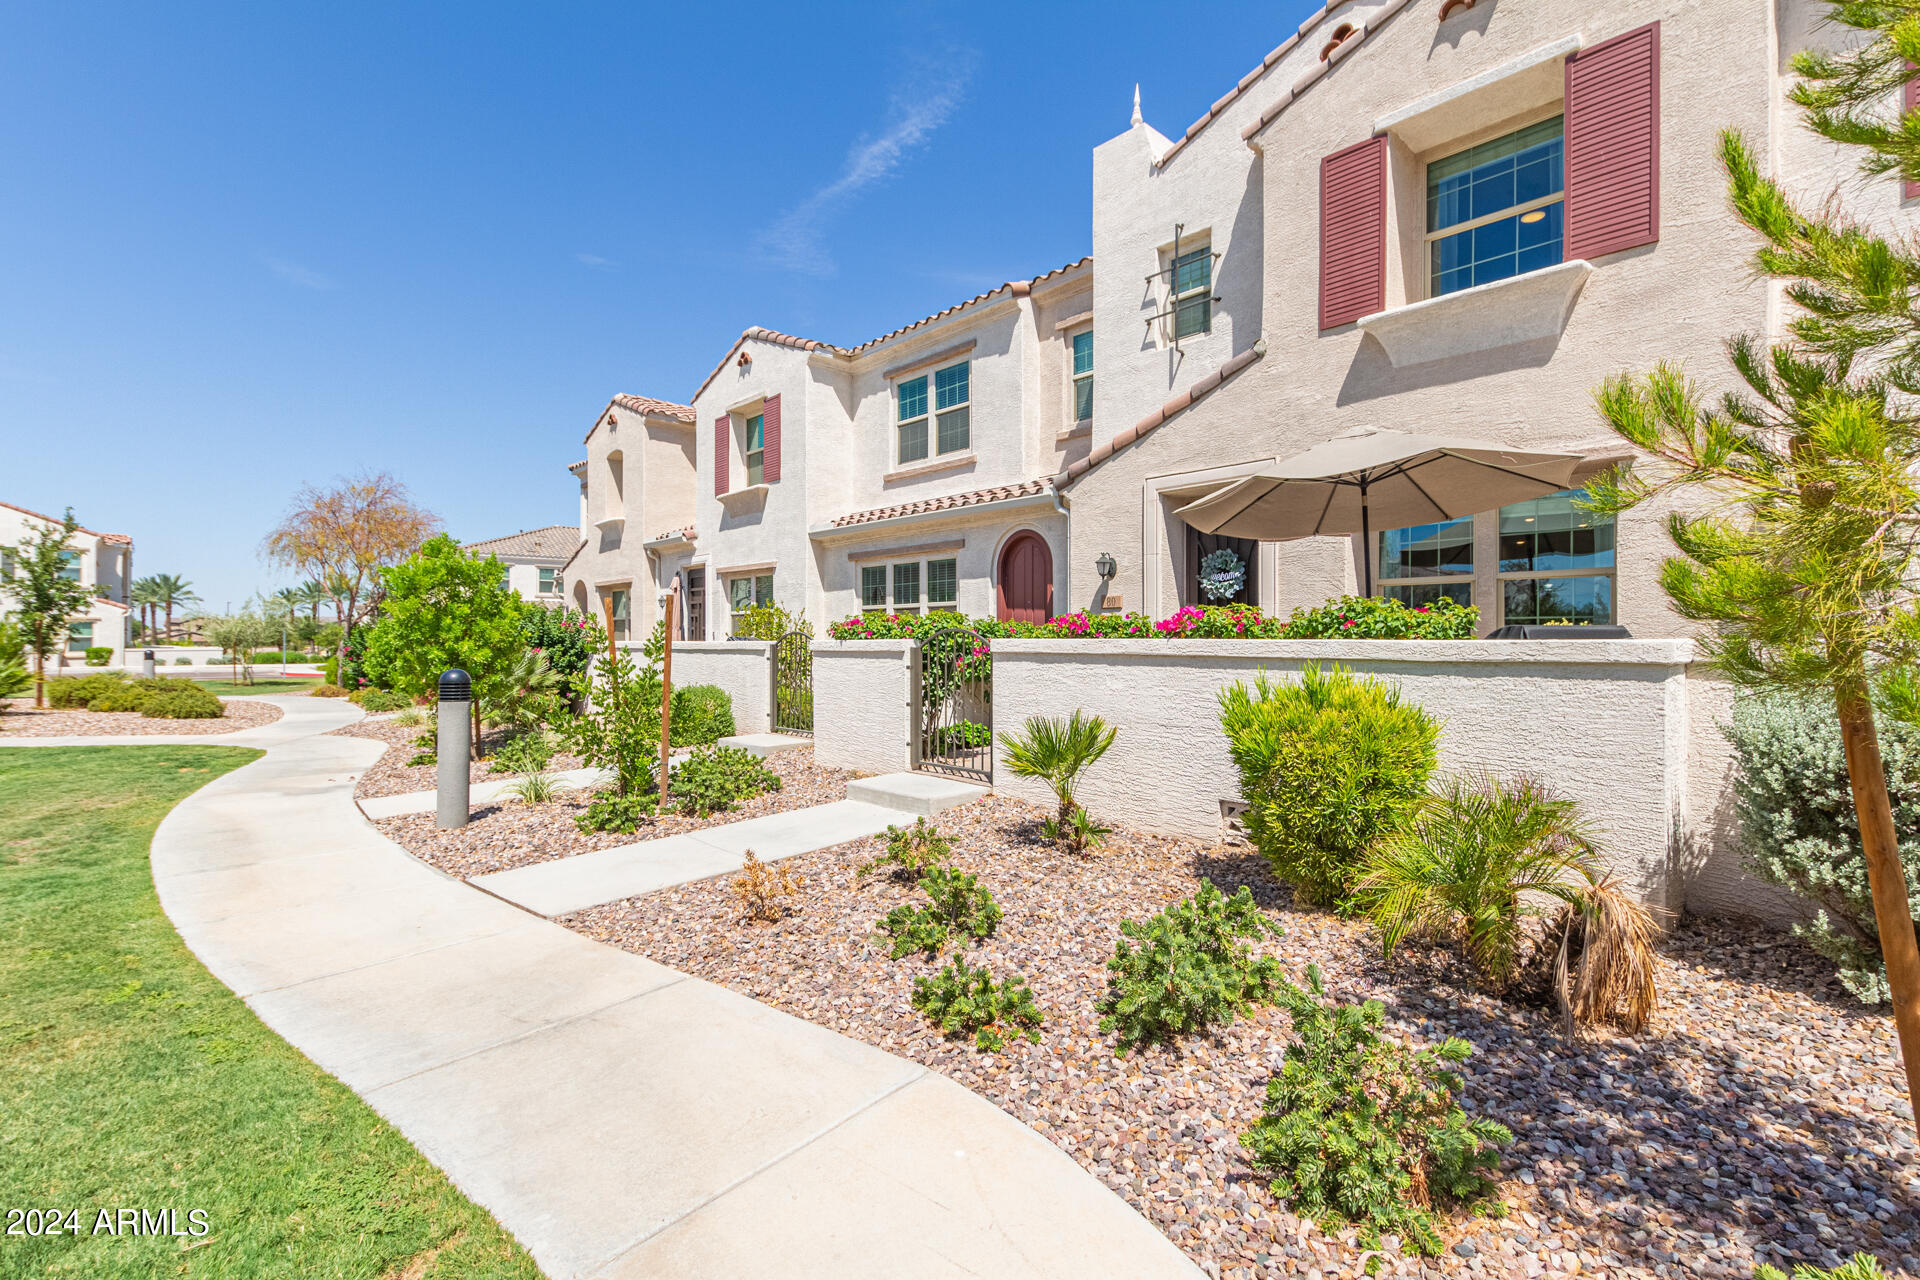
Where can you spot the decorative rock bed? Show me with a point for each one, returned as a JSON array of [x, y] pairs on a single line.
[[1762, 1118], [20, 719]]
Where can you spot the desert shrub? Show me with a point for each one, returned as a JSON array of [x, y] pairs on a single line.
[[1360, 1128], [376, 701], [1862, 1266], [99, 655], [190, 703], [1327, 767], [429, 753], [275, 656], [959, 909], [533, 788], [1799, 830], [328, 691], [530, 752], [611, 811], [718, 778], [1374, 618], [911, 852], [702, 715], [962, 1000], [183, 662], [1057, 752], [68, 692], [1189, 967], [412, 718], [763, 889], [768, 622], [125, 697]]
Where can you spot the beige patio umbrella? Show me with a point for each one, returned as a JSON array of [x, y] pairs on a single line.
[[1374, 476]]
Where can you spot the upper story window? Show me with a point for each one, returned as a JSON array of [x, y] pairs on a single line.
[[754, 448], [1083, 376], [549, 581], [1421, 564], [1556, 562], [1192, 274], [70, 565], [1496, 210], [950, 414]]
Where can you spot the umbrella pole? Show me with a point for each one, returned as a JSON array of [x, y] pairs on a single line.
[[1366, 544]]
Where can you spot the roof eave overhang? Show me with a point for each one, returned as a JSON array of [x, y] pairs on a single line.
[[949, 515]]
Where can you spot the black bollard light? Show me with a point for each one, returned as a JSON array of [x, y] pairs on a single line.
[[452, 745], [146, 664]]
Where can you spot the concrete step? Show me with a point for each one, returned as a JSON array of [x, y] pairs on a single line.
[[766, 744], [920, 794]]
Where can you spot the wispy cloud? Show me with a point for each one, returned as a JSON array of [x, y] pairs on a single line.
[[795, 241], [295, 274], [595, 261]]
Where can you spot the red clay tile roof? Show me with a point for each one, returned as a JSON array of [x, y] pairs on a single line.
[[674, 535], [578, 467], [119, 538], [1153, 421], [1332, 56], [978, 497], [554, 542], [1019, 289], [654, 408]]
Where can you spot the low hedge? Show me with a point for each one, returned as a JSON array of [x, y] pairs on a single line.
[[376, 701], [183, 703], [1349, 617], [99, 655]]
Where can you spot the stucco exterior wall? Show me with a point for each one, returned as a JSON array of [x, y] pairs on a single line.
[[744, 668], [979, 538], [862, 699], [653, 495], [1604, 722], [106, 570]]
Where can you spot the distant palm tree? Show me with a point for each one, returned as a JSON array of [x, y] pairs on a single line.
[[171, 591], [313, 593], [142, 594]]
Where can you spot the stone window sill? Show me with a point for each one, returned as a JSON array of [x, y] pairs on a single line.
[[610, 522], [741, 496], [946, 462], [1519, 309], [1077, 431]]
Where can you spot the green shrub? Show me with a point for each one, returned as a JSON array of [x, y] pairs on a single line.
[[1799, 830], [376, 701], [702, 715], [1360, 1128], [911, 852], [768, 622], [99, 655], [69, 692], [611, 811], [529, 752], [1374, 618], [1862, 1266], [127, 697], [327, 691], [1327, 767], [1189, 967], [965, 1001], [718, 778], [183, 703], [183, 662], [964, 736], [958, 907]]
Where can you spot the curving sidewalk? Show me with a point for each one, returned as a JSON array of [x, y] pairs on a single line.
[[621, 1119]]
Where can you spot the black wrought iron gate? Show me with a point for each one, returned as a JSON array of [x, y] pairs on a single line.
[[956, 704], [793, 683]]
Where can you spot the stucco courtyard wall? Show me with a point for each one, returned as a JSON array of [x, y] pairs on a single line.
[[863, 695], [1603, 722], [744, 668]]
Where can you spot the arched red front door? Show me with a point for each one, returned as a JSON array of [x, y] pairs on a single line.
[[1025, 591]]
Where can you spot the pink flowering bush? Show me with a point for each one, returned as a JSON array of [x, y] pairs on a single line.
[[1350, 617]]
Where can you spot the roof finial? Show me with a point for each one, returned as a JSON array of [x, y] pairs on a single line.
[[1136, 104]]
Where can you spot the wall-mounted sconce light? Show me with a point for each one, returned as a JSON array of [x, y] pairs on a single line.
[[1106, 566]]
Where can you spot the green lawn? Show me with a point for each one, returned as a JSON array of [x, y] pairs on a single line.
[[261, 684], [131, 1079]]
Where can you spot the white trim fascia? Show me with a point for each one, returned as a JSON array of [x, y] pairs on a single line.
[[1525, 62], [947, 515]]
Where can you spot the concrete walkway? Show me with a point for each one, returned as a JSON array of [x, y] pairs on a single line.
[[623, 1120]]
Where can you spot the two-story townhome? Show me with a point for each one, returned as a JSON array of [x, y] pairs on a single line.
[[534, 559], [1450, 218], [100, 562], [636, 510]]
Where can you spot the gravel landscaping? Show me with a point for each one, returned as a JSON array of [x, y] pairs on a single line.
[[1762, 1118], [391, 775], [19, 719], [503, 834]]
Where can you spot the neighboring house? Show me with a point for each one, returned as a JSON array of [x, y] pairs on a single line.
[[101, 562], [534, 559], [636, 507]]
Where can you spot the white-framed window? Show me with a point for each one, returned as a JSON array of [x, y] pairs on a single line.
[[749, 591], [549, 581], [1191, 272], [1495, 210], [945, 423], [1556, 562], [70, 565], [1421, 564], [622, 608], [79, 637], [911, 586], [753, 448], [1082, 348]]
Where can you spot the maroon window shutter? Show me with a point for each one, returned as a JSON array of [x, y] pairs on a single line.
[[1911, 189], [770, 438], [1353, 233], [1613, 145], [722, 428]]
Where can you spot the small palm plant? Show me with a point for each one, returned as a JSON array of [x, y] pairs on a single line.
[[1482, 855], [1057, 752]]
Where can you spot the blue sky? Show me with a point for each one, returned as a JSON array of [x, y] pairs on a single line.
[[248, 247]]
